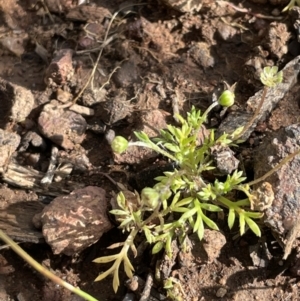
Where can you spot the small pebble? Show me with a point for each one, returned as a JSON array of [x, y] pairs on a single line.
[[21, 297], [127, 74], [221, 292], [110, 136], [63, 96], [129, 297], [275, 12], [222, 281]]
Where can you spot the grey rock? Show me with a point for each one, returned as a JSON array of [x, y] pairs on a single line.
[[282, 216]]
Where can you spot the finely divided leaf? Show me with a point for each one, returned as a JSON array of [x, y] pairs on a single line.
[[231, 218], [253, 226], [157, 247]]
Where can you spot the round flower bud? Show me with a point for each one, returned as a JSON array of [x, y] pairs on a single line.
[[119, 144], [150, 197], [226, 99]]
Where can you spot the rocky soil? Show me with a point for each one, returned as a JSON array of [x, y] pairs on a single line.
[[73, 74]]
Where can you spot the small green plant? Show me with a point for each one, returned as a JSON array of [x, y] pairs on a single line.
[[183, 198]]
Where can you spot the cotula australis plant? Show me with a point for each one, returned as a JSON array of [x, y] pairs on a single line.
[[185, 190]]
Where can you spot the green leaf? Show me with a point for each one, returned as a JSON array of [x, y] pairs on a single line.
[[118, 212], [185, 201], [148, 234], [128, 267], [164, 202], [105, 274], [231, 218], [168, 283], [198, 222], [241, 203], [172, 147], [212, 135], [256, 215], [180, 209], [171, 129], [116, 281], [180, 118], [253, 226], [188, 141], [178, 134], [121, 200], [200, 231], [207, 193], [236, 133], [242, 223], [162, 179], [106, 259], [188, 214], [175, 199], [125, 222], [157, 247], [166, 135], [142, 136], [168, 245], [211, 224], [210, 207]]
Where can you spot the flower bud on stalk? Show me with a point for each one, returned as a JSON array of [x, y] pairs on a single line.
[[226, 99], [119, 144]]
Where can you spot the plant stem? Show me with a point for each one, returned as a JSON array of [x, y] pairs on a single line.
[[214, 104], [274, 169], [233, 205], [250, 122], [154, 147], [43, 270]]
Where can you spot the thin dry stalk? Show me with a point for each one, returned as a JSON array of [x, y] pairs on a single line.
[[91, 77]]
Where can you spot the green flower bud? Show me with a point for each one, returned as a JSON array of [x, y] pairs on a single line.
[[119, 144], [150, 197], [226, 99]]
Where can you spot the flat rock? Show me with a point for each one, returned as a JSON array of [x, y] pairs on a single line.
[[16, 102], [60, 70], [74, 222], [63, 127]]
